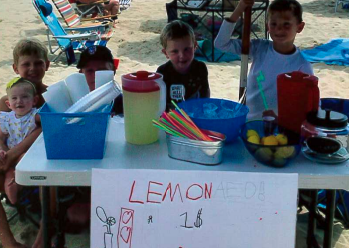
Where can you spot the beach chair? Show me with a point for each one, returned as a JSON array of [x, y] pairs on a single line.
[[104, 28], [74, 20], [66, 43], [94, 9], [124, 4], [343, 2], [26, 207]]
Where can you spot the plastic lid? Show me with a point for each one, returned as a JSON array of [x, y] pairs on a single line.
[[140, 81], [327, 119], [142, 75]]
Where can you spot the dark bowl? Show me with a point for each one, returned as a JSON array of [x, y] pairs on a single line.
[[272, 152]]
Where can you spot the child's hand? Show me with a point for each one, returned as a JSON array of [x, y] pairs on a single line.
[[2, 155], [243, 4]]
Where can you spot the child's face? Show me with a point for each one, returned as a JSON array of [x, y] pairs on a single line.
[[283, 28], [21, 99], [32, 68], [181, 53], [90, 70]]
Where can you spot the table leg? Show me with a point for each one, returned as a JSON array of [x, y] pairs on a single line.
[[212, 32], [46, 216], [311, 240], [330, 210]]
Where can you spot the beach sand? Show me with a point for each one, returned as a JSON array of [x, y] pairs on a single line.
[[136, 44]]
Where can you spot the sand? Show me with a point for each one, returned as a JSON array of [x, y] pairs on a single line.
[[136, 44]]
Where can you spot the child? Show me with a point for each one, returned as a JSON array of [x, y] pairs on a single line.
[[16, 125], [98, 58], [185, 77], [269, 57], [30, 59]]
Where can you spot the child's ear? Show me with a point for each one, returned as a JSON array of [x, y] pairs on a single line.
[[47, 65], [164, 52], [15, 68], [35, 100], [7, 102], [300, 27], [196, 45]]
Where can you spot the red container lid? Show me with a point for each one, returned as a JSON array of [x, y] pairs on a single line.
[[140, 81]]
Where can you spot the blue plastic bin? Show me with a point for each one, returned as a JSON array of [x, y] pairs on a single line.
[[82, 138], [228, 126]]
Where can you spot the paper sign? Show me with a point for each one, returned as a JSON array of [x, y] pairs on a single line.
[[192, 209]]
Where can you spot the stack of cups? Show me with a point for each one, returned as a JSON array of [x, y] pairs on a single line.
[[101, 96]]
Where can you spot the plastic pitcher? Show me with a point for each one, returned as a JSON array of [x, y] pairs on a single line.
[[298, 94], [144, 98]]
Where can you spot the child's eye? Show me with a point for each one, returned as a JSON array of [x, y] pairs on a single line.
[[39, 63]]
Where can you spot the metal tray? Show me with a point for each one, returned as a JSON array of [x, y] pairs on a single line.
[[195, 151]]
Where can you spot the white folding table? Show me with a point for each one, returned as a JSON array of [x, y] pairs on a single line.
[[35, 170]]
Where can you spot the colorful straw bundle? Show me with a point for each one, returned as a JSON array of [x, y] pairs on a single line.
[[178, 123]]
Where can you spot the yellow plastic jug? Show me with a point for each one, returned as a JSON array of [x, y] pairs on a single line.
[[144, 99]]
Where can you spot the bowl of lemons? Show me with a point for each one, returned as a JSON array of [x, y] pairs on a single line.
[[275, 149]]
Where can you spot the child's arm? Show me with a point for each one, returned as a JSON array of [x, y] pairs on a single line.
[[243, 4], [223, 40], [13, 155], [3, 151]]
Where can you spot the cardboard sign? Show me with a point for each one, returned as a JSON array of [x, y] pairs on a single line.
[[192, 209]]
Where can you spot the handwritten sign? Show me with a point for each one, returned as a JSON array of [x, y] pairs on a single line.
[[192, 209]]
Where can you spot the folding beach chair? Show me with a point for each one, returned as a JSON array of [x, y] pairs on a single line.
[[66, 43], [124, 4], [26, 207], [343, 2], [94, 9], [74, 20]]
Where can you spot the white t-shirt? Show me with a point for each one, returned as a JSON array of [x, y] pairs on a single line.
[[265, 59], [17, 128]]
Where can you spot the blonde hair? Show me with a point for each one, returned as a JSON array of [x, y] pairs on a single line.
[[29, 46], [176, 30], [20, 82]]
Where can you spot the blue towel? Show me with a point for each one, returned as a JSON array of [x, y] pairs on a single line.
[[336, 52], [205, 48]]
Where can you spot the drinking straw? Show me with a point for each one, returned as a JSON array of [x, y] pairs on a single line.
[[188, 134], [260, 79], [167, 130], [193, 128], [190, 121]]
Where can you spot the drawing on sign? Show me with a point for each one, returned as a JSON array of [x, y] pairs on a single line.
[[125, 228], [197, 223], [109, 221]]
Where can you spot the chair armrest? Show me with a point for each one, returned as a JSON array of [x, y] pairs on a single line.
[[89, 36], [92, 3]]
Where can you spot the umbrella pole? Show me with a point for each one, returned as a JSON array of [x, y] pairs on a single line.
[[244, 54]]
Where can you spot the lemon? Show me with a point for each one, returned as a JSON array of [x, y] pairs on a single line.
[[282, 139], [254, 139], [263, 140], [264, 154], [251, 132], [270, 141], [279, 162], [285, 152]]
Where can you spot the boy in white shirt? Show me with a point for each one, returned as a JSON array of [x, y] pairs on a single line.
[[269, 57]]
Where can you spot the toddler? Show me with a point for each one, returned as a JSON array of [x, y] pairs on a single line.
[[185, 77], [16, 125]]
